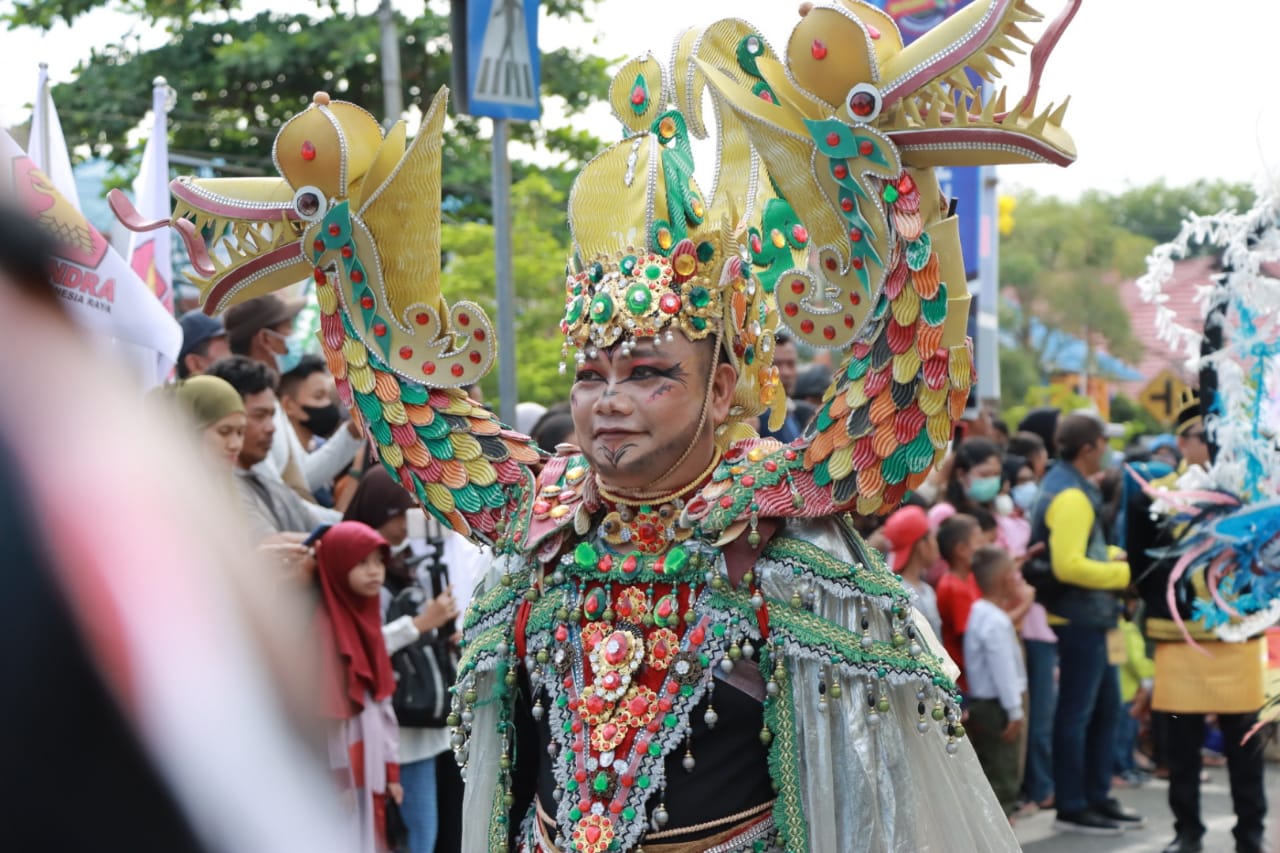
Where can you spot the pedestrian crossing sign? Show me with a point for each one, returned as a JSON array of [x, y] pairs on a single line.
[[502, 58]]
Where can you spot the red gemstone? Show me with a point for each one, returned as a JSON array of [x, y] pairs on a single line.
[[673, 688], [422, 318], [846, 204], [610, 731], [627, 780], [562, 633], [456, 370], [806, 326], [855, 299], [862, 104], [789, 455], [906, 185], [791, 309], [818, 49], [605, 563], [653, 726], [475, 357], [669, 303], [334, 230], [630, 564], [797, 286], [464, 319], [320, 278], [841, 171], [726, 501], [829, 332], [581, 776], [799, 234], [857, 263], [308, 150], [648, 533], [366, 302], [428, 367], [576, 725], [638, 96], [595, 704], [855, 234], [478, 334], [748, 481], [318, 245], [766, 96], [584, 804], [615, 807], [756, 246], [611, 681], [357, 276], [848, 321], [830, 263], [664, 704], [770, 466], [406, 352], [833, 139], [697, 635], [380, 329], [346, 252], [873, 32]]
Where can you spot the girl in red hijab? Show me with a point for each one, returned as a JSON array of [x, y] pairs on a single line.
[[358, 679]]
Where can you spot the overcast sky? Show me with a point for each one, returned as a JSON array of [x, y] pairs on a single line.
[[1159, 90]]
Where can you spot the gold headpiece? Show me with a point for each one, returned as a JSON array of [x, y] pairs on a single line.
[[652, 256]]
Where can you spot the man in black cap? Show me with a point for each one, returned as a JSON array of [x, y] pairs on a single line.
[[204, 341], [1189, 684], [262, 329]]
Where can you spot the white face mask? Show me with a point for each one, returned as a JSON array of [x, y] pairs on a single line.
[[1003, 505], [1024, 496]]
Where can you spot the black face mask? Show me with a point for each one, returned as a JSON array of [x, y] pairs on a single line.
[[323, 420]]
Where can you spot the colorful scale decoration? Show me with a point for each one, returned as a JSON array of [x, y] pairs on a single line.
[[439, 444]]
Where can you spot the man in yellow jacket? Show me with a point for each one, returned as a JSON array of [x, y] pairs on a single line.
[[1190, 683], [1083, 608]]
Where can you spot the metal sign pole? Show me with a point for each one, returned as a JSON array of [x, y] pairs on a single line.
[[502, 249]]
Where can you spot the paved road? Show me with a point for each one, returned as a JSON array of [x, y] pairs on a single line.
[[1037, 836]]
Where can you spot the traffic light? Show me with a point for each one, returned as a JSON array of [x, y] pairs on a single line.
[[1006, 204]]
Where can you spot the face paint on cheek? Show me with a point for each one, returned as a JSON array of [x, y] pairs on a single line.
[[666, 388]]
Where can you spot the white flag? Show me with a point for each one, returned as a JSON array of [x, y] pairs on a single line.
[[48, 147], [149, 251], [100, 292]]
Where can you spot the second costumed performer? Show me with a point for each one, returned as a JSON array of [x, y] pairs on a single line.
[[682, 644]]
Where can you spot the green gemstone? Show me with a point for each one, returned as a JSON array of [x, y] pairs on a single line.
[[628, 814], [571, 785], [653, 272], [686, 691], [562, 700], [627, 265], [700, 297], [597, 272], [750, 355], [655, 749], [601, 308], [670, 721], [890, 193], [883, 705], [642, 781], [575, 813], [600, 784], [677, 559], [706, 251], [575, 310], [584, 555], [700, 324], [639, 298], [718, 629]]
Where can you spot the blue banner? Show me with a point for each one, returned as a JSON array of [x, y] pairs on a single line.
[[503, 69]]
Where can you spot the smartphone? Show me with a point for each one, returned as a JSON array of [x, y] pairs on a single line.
[[314, 535]]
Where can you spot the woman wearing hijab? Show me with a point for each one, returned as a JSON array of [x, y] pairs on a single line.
[[217, 411], [382, 504], [357, 677]]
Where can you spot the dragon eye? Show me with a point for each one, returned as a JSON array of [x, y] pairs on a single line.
[[864, 102], [310, 203]]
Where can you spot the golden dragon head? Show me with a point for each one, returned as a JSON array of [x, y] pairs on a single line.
[[353, 208], [849, 123]]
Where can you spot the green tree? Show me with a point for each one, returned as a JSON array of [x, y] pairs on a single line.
[[1156, 211], [1064, 263], [239, 79], [538, 265]]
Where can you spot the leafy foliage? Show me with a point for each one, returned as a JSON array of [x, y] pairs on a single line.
[[538, 266], [239, 79]]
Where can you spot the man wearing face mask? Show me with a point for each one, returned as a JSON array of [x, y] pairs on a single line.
[[309, 399], [262, 329]]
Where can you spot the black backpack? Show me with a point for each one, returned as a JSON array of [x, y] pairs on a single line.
[[426, 669]]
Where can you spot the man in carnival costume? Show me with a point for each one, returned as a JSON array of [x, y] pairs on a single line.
[[682, 644]]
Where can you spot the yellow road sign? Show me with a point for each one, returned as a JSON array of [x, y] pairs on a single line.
[[1162, 396]]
